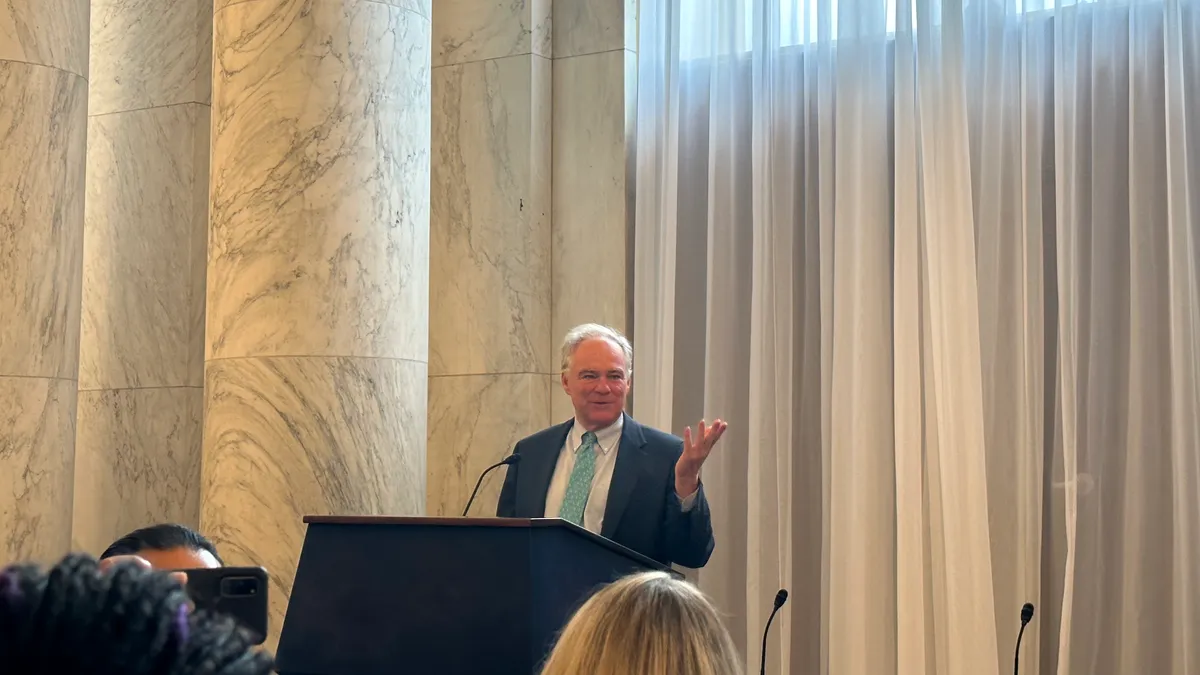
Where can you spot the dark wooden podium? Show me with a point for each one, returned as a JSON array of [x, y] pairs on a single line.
[[444, 596]]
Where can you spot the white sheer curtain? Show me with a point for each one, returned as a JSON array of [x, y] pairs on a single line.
[[937, 264]]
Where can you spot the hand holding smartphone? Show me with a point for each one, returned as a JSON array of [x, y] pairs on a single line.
[[237, 592]]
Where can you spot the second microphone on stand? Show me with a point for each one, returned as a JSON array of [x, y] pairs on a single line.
[[780, 598]]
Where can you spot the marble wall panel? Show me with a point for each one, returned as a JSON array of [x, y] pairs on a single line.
[[138, 462], [142, 337], [490, 235], [467, 31], [52, 33], [319, 232], [594, 114], [149, 54], [43, 130], [287, 437], [43, 133], [594, 26], [474, 421], [37, 416], [146, 219]]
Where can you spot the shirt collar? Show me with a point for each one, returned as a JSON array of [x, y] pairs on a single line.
[[606, 438]]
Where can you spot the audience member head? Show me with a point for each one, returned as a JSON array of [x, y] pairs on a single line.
[[649, 624], [165, 547], [74, 618], [597, 364]]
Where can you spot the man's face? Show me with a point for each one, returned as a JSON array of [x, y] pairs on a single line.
[[181, 558], [596, 383]]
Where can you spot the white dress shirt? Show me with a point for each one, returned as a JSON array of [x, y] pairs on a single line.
[[607, 440]]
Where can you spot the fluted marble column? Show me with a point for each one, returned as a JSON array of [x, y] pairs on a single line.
[[141, 373], [43, 134], [595, 97], [318, 295], [490, 342]]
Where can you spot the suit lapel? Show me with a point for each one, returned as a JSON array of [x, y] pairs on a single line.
[[540, 464], [630, 452]]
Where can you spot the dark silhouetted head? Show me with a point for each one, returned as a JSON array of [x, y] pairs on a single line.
[[167, 547]]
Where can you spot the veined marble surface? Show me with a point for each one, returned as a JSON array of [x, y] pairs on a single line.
[[138, 462], [149, 53], [50, 33], [478, 30], [319, 237], [288, 437], [43, 136], [594, 114], [43, 130], [594, 26], [316, 376], [144, 255], [474, 422], [37, 435], [137, 451], [490, 339], [490, 218], [561, 409]]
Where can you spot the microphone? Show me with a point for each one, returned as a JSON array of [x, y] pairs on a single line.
[[511, 459], [1026, 616], [780, 598]]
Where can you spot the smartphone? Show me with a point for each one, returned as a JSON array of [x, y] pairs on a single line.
[[236, 592]]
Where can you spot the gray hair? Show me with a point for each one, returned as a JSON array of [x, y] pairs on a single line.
[[594, 331]]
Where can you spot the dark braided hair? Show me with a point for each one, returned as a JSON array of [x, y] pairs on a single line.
[[75, 620]]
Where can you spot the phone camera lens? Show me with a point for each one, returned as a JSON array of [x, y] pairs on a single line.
[[239, 587]]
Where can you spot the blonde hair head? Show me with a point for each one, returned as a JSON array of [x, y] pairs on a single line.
[[645, 624]]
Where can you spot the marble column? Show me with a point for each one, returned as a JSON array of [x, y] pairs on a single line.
[[595, 96], [141, 372], [490, 338], [316, 358], [43, 135]]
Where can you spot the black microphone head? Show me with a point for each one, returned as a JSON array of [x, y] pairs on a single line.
[[780, 598], [513, 458], [1027, 612]]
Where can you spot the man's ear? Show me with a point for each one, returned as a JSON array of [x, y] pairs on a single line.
[[562, 378]]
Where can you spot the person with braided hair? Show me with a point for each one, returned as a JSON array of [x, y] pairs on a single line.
[[75, 619]]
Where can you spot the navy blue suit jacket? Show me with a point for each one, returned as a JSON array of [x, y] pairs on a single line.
[[643, 512]]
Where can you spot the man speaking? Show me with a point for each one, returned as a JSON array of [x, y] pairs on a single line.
[[632, 484]]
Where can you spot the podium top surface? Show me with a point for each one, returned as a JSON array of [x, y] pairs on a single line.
[[525, 523], [441, 520]]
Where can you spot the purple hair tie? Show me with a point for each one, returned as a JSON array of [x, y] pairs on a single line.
[[10, 590], [181, 622]]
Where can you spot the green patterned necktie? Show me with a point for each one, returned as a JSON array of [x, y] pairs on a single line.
[[581, 481]]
